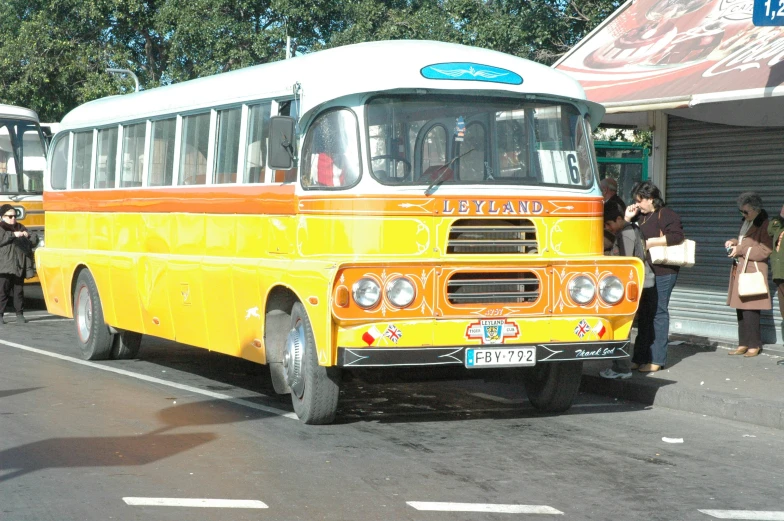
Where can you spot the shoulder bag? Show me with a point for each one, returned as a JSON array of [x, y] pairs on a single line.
[[676, 255], [751, 284]]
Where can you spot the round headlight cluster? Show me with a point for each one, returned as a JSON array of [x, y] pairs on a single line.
[[582, 289], [611, 289], [366, 292], [400, 292]]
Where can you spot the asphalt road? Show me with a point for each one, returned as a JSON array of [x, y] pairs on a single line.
[[182, 426]]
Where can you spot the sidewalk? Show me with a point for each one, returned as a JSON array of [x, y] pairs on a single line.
[[701, 378]]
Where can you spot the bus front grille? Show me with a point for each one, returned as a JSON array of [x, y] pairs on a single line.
[[482, 236], [512, 287]]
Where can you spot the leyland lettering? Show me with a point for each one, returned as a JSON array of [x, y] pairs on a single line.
[[479, 207]]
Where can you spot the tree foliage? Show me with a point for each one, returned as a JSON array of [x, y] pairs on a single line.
[[54, 53]]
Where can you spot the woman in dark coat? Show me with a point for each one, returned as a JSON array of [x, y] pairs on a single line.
[[660, 226], [753, 239], [16, 262]]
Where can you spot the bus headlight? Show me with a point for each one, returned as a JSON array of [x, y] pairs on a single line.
[[582, 289], [611, 289], [401, 292], [366, 293]]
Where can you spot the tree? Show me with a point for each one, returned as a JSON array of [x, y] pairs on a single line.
[[54, 53], [541, 30]]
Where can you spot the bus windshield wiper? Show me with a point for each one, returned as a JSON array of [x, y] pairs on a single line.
[[444, 169]]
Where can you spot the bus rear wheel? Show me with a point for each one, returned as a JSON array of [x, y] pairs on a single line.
[[552, 387], [92, 334], [126, 345], [314, 388]]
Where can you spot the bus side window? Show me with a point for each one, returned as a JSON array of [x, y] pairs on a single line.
[[133, 155], [258, 131], [82, 160], [106, 160], [227, 146], [161, 168], [59, 166], [193, 151], [330, 155]]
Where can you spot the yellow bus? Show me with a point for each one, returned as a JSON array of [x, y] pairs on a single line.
[[384, 204], [22, 164]]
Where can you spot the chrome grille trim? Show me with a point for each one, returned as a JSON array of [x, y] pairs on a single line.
[[516, 287], [482, 236]]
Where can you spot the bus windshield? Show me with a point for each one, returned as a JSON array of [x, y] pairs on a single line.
[[22, 157], [431, 140]]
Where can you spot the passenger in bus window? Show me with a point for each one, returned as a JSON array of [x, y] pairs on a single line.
[[16, 262]]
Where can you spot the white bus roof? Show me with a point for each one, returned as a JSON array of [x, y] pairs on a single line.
[[17, 112], [330, 74]]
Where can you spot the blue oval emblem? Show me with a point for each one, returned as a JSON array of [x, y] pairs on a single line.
[[470, 72]]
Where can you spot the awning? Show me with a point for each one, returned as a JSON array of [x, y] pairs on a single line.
[[670, 54]]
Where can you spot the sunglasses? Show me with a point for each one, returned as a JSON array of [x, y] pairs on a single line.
[[10, 215], [744, 212]]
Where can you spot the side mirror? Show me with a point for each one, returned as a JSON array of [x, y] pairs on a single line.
[[280, 155]]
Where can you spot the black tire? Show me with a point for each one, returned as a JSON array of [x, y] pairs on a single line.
[[126, 345], [92, 334], [552, 387], [315, 393]]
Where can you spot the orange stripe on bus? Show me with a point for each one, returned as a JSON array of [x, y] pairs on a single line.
[[281, 200], [262, 199]]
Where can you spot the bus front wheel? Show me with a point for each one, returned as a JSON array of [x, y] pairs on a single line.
[[92, 333], [314, 388], [552, 387]]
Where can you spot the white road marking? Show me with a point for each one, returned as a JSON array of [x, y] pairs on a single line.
[[193, 502], [754, 515], [152, 379], [483, 507], [499, 399]]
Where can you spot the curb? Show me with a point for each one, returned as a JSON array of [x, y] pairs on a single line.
[[721, 405]]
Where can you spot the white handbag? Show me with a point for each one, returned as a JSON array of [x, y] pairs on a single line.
[[752, 284], [676, 255]]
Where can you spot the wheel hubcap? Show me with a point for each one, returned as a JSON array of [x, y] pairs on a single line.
[[292, 360], [84, 314]]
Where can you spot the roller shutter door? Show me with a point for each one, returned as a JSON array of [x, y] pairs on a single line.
[[708, 166]]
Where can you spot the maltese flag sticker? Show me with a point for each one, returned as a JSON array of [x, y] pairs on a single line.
[[371, 335], [599, 329]]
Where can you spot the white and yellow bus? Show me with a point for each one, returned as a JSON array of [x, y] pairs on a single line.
[[384, 204], [22, 164]]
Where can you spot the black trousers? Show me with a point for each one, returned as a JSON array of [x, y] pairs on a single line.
[[749, 334], [11, 286]]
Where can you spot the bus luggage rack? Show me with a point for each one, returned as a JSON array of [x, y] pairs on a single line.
[[515, 287], [482, 236]]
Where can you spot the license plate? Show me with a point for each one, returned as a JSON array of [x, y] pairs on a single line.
[[503, 357]]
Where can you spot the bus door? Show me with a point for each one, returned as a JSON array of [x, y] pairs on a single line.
[[454, 149]]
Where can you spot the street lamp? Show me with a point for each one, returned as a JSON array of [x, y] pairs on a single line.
[[126, 72]]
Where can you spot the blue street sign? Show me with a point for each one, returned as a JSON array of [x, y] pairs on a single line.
[[768, 12]]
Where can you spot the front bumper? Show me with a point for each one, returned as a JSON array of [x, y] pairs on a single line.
[[455, 355]]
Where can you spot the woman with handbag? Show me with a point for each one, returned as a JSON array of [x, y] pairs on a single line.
[[748, 290], [660, 226]]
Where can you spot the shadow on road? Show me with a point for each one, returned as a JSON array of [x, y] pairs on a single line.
[[124, 451]]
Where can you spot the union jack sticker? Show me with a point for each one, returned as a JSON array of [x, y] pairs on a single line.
[[582, 328], [393, 333]]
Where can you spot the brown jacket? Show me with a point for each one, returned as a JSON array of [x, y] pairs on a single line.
[[760, 245]]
